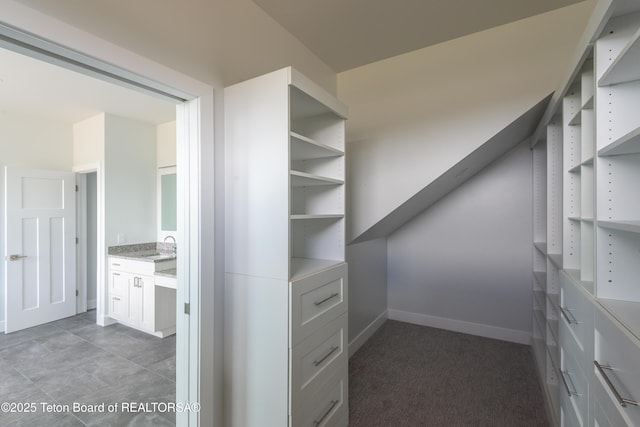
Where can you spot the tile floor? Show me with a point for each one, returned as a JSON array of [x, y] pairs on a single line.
[[74, 361]]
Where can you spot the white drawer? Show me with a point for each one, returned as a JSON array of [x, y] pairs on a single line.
[[574, 390], [576, 322], [315, 300], [605, 413], [134, 266], [119, 283], [327, 406], [617, 349], [568, 418], [314, 359]]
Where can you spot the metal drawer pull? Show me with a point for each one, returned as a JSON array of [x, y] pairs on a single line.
[[326, 413], [116, 298], [16, 257], [621, 400], [317, 303], [565, 312], [566, 384], [333, 350]]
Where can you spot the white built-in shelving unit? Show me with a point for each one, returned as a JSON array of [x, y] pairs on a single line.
[[286, 276], [587, 151]]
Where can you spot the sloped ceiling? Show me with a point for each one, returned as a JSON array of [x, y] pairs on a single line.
[[494, 148], [347, 34]]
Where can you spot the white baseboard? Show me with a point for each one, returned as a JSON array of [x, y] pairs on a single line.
[[1, 325], [487, 331], [366, 333]]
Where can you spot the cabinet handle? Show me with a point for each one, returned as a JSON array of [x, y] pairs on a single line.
[[116, 298], [332, 405], [565, 312], [621, 400], [566, 384], [333, 350], [318, 303], [115, 274], [117, 265]]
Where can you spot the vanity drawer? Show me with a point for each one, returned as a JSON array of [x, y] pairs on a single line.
[[119, 283], [327, 406], [618, 353], [316, 358], [135, 266], [315, 300]]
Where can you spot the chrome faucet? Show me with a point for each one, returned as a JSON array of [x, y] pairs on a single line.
[[175, 246]]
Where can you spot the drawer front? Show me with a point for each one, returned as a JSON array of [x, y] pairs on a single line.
[[317, 299], [576, 322], [119, 308], [316, 358], [133, 266], [119, 284], [574, 390], [327, 406], [605, 413], [619, 354]]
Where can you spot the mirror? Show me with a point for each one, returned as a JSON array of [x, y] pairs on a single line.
[[168, 201]]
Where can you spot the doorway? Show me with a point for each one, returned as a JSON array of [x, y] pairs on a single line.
[[195, 216]]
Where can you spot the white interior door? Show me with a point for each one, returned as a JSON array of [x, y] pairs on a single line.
[[40, 247]]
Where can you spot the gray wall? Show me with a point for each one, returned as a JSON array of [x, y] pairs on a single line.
[[465, 263], [367, 289]]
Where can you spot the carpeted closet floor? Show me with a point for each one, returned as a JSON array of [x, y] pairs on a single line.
[[409, 375]]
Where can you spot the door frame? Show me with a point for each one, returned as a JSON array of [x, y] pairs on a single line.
[[198, 374], [82, 236]]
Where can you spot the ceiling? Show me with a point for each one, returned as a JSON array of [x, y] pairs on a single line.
[[343, 33], [32, 87], [347, 34]]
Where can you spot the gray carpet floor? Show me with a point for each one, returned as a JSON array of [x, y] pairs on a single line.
[[409, 375]]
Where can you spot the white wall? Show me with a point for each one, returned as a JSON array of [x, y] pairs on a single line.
[[367, 290], [35, 143], [465, 264], [414, 116], [166, 144], [88, 142], [130, 181]]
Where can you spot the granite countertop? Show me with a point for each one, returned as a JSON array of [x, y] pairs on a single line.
[[149, 252], [170, 272]]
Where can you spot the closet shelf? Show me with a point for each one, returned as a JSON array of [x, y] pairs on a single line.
[[626, 67], [587, 162], [302, 267], [575, 169], [588, 285], [631, 226], [576, 119], [588, 104], [627, 313], [314, 216], [303, 148], [303, 179], [541, 278], [574, 218], [556, 260], [627, 144], [541, 246]]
